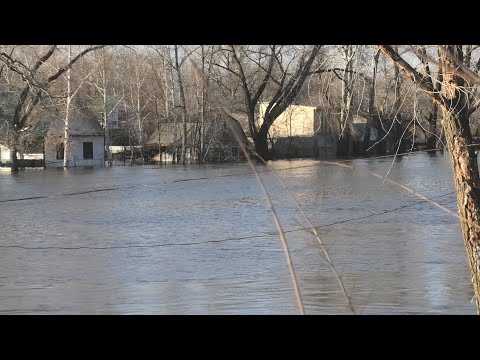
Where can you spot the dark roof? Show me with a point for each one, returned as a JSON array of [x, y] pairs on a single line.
[[79, 125], [234, 127], [169, 133], [173, 131]]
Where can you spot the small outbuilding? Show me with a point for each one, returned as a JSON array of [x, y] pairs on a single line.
[[86, 145]]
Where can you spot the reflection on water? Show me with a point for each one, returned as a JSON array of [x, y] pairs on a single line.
[[201, 240]]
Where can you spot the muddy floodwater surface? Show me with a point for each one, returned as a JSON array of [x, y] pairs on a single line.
[[201, 240]]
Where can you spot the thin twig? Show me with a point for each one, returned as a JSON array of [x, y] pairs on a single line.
[[411, 191], [281, 235], [280, 231], [314, 232]]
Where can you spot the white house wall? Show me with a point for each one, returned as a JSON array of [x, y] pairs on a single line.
[[296, 120], [4, 154], [75, 153]]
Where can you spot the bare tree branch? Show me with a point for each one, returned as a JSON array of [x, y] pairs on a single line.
[[268, 74], [43, 58], [412, 73], [294, 85], [462, 70], [228, 69], [74, 60]]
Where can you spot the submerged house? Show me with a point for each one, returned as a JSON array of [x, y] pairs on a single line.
[[358, 132], [86, 143], [309, 131], [351, 141], [222, 133], [167, 139], [223, 140], [301, 131]]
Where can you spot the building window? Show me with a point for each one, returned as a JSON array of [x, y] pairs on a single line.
[[88, 150], [60, 151], [122, 116]]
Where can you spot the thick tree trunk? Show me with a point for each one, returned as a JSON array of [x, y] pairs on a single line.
[[13, 151], [396, 142], [105, 113], [432, 122], [347, 88], [261, 145], [202, 110], [166, 89], [381, 147], [467, 185], [431, 138], [458, 136], [159, 143], [184, 108], [66, 134], [456, 127], [371, 105], [366, 135], [140, 127], [399, 144], [106, 124], [132, 151]]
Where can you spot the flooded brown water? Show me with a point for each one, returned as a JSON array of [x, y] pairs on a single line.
[[201, 240]]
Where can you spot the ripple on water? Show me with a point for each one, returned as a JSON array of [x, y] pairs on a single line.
[[208, 246]]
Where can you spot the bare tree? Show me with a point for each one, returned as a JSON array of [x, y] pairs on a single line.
[[162, 98], [176, 64], [202, 75], [371, 102], [203, 104], [106, 98], [66, 135], [457, 103], [183, 104], [432, 116], [68, 105], [348, 53], [266, 71], [396, 118]]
